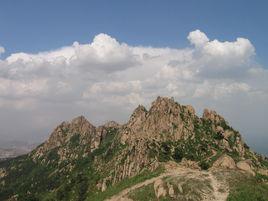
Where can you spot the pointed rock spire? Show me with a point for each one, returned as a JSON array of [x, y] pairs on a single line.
[[138, 116], [212, 115]]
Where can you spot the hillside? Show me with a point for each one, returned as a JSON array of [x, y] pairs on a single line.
[[164, 153]]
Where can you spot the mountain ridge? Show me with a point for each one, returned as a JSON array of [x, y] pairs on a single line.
[[98, 159]]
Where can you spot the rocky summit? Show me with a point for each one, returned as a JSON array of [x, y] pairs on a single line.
[[164, 153]]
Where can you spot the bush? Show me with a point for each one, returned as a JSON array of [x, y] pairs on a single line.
[[165, 152], [177, 155], [218, 136], [204, 165], [74, 140]]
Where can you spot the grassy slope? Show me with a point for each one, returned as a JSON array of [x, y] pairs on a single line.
[[249, 189]]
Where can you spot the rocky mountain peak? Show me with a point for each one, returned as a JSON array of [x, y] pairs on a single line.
[[79, 120], [163, 104], [138, 116], [139, 111], [190, 109], [212, 116], [66, 133], [164, 120], [81, 126]]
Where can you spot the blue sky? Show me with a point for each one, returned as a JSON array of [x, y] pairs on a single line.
[[33, 26]]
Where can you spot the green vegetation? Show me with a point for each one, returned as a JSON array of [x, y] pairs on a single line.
[[204, 165], [74, 141], [143, 194], [249, 189], [165, 151], [26, 176], [196, 149], [113, 190], [177, 155], [261, 178], [50, 179]]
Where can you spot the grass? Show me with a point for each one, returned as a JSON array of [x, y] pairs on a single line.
[[145, 193], [249, 189]]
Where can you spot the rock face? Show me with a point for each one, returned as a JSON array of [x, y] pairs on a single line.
[[159, 189], [225, 161], [190, 164], [263, 171], [164, 121], [212, 116], [171, 190], [77, 132], [245, 166]]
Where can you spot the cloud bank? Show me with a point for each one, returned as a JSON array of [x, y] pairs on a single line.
[[106, 79]]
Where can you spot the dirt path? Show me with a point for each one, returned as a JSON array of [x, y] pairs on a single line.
[[220, 190], [122, 195]]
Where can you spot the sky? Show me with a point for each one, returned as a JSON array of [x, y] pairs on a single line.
[[60, 59]]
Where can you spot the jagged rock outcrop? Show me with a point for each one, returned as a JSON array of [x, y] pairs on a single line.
[[68, 135], [245, 166], [225, 161], [165, 120], [263, 171], [212, 116], [159, 188]]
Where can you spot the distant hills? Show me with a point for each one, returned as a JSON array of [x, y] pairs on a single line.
[[11, 149]]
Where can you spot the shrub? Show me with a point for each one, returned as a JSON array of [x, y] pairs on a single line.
[[74, 140], [204, 165], [177, 155], [165, 152], [218, 136]]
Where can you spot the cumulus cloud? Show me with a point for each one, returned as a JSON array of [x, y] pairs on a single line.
[[103, 54], [198, 38], [105, 79]]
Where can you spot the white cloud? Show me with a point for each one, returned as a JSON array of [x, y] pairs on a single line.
[[108, 67], [22, 89], [103, 54], [219, 90], [106, 79], [113, 87], [198, 38]]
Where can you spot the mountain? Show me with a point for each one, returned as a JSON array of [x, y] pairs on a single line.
[[164, 153]]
